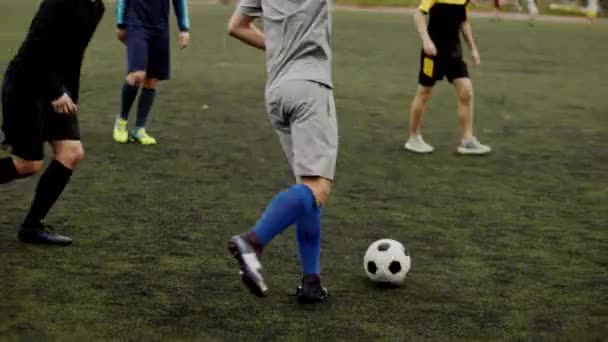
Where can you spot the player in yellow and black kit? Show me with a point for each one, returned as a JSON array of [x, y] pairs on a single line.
[[442, 58]]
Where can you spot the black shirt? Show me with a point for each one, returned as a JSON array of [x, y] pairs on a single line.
[[50, 58], [445, 23]]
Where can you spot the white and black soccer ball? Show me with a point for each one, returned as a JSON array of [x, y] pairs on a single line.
[[387, 261]]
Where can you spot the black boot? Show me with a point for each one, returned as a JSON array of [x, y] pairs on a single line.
[[40, 233], [311, 291]]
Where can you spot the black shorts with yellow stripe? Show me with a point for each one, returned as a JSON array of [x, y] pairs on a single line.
[[436, 68]]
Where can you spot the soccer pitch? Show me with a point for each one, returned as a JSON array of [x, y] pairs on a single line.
[[507, 247]]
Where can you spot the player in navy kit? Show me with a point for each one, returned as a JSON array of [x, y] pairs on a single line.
[[143, 25]]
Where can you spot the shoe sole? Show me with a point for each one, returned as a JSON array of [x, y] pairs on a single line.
[[121, 141], [257, 287], [464, 152], [43, 242], [310, 301], [136, 141], [417, 151]]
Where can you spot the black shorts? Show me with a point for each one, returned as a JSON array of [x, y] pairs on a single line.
[[435, 68], [28, 122]]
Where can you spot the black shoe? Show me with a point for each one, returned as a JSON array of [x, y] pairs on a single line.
[[250, 265], [312, 292], [42, 234]]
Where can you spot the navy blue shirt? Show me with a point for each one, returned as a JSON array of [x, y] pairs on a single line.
[[151, 14]]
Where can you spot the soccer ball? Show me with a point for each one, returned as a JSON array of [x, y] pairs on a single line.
[[387, 261]]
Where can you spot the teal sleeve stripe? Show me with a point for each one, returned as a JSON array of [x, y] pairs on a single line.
[[120, 11], [181, 11]]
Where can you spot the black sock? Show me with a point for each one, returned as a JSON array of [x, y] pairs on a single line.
[[311, 279], [146, 99], [128, 95], [51, 185], [8, 172]]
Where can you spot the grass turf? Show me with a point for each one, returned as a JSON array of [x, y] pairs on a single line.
[[512, 246]]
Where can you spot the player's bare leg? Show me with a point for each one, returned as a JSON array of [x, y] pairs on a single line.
[[468, 143], [68, 152], [415, 142], [12, 168], [497, 4], [464, 91], [532, 12], [27, 168]]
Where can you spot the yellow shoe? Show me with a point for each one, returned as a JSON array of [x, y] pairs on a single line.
[[141, 137], [121, 134]]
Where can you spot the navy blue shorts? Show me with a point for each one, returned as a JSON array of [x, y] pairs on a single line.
[[148, 50]]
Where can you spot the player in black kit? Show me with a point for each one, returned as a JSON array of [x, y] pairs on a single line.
[[40, 102]]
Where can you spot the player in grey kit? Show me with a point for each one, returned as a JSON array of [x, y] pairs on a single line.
[[300, 103]]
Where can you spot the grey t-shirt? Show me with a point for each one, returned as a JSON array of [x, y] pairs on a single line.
[[298, 38]]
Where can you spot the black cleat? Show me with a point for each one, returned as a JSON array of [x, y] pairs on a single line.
[[312, 292], [250, 265], [42, 234]]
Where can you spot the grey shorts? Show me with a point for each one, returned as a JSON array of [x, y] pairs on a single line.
[[303, 113]]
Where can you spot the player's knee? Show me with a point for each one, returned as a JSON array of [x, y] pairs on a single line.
[[70, 154], [27, 168], [136, 79], [465, 94], [424, 93], [150, 83], [321, 188]]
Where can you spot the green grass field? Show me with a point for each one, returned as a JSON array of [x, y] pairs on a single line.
[[508, 247]]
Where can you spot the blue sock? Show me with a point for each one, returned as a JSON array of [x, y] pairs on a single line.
[[283, 211], [146, 99], [129, 93], [309, 241]]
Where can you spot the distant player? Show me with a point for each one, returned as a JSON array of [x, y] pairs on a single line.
[[497, 5], [300, 103], [40, 102], [143, 25], [532, 11], [592, 9], [442, 58]]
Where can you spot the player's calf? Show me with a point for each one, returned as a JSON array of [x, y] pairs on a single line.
[[146, 100], [12, 168], [469, 144], [464, 92], [51, 185], [415, 142]]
